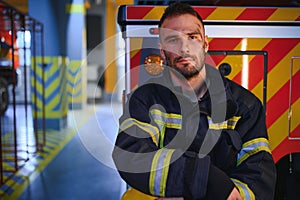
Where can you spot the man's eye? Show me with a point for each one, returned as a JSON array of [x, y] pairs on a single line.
[[173, 40], [193, 37]]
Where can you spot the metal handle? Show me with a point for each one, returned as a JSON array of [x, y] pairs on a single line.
[[290, 112]]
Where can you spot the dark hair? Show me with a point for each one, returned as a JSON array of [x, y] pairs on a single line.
[[176, 9]]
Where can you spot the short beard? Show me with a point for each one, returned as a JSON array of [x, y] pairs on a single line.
[[188, 74], [185, 74]]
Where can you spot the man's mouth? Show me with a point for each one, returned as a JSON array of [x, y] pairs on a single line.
[[184, 60]]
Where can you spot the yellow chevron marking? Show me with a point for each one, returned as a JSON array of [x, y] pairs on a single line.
[[295, 117], [75, 8], [53, 86], [74, 65], [38, 69], [11, 182], [155, 13], [53, 103], [67, 135], [226, 13], [295, 120], [234, 61], [50, 114], [285, 14], [7, 166], [76, 99], [258, 44], [252, 44], [56, 64], [237, 61], [75, 90], [258, 90], [135, 46], [275, 136], [18, 189], [280, 74]]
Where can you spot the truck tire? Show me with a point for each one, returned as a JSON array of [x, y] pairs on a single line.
[[4, 100]]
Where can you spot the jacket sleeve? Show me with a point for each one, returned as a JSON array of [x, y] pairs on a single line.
[[255, 172], [158, 171]]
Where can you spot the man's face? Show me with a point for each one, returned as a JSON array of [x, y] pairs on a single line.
[[183, 44]]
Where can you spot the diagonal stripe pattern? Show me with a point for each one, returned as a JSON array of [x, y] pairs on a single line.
[[49, 89]]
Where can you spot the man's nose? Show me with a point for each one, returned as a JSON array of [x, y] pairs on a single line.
[[184, 46]]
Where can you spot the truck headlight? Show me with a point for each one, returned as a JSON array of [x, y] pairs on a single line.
[[154, 64]]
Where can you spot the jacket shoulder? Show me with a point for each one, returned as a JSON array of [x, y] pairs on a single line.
[[243, 96]]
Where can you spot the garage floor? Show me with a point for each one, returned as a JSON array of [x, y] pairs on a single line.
[[76, 163]]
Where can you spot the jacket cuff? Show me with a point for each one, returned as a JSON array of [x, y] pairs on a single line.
[[219, 185]]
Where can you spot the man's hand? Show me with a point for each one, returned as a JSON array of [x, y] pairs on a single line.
[[235, 195]]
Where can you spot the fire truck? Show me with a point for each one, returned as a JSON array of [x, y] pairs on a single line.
[[257, 47], [9, 65]]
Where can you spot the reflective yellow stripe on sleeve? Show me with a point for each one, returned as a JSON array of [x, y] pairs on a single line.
[[169, 120], [244, 190], [228, 124], [148, 128], [165, 120], [159, 171], [252, 147]]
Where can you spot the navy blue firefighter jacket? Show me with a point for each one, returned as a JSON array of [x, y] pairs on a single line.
[[174, 145]]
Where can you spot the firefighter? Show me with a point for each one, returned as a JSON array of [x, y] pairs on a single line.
[[192, 133]]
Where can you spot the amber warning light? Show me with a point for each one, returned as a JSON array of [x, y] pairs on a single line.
[[154, 31]]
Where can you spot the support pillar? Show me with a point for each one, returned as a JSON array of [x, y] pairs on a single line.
[[110, 45], [48, 75], [76, 50]]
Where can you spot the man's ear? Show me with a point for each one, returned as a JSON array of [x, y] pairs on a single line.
[[206, 45], [162, 53]]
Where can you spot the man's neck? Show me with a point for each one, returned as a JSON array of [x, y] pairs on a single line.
[[195, 84]]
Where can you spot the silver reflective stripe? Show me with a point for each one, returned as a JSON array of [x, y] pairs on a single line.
[[252, 147], [244, 190], [228, 124], [169, 120], [148, 128], [159, 171]]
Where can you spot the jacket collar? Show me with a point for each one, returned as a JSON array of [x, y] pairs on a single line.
[[218, 101], [220, 95]]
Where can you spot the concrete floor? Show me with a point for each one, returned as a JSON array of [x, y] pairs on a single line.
[[82, 168]]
